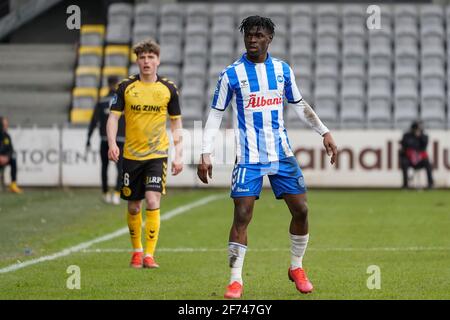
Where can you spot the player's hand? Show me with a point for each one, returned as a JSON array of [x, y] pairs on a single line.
[[4, 160], [330, 146], [113, 153], [177, 166], [204, 168]]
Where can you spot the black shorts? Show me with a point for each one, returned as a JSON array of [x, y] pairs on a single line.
[[141, 176]]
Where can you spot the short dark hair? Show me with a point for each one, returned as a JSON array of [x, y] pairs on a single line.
[[259, 22], [113, 80]]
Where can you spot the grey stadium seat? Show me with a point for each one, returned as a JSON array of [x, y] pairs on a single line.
[[223, 14], [249, 9], [171, 54], [432, 15], [171, 72], [120, 13], [301, 15], [328, 15], [405, 14], [352, 108], [118, 33], [279, 15], [192, 104], [433, 97], [170, 34], [142, 32], [193, 77], [196, 55], [221, 55], [354, 15], [198, 14], [172, 14], [146, 14], [379, 110]]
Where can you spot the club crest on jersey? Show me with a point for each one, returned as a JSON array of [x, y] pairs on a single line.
[[280, 78], [257, 102]]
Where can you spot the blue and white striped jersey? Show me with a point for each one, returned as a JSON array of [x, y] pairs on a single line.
[[256, 92]]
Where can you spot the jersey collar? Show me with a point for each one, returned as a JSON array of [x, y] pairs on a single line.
[[246, 60]]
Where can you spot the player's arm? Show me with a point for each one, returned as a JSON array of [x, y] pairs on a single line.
[[117, 106], [307, 114], [176, 126], [222, 98], [93, 124]]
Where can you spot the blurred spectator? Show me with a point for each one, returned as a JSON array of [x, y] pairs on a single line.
[[7, 154], [413, 153], [99, 118]]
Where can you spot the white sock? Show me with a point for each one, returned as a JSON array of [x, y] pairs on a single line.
[[139, 250], [236, 255], [298, 248]]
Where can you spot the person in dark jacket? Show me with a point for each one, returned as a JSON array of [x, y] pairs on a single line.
[[7, 155], [99, 119], [413, 153]]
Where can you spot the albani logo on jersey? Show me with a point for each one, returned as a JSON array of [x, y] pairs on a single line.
[[257, 102]]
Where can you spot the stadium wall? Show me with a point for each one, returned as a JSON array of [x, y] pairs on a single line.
[[367, 158]]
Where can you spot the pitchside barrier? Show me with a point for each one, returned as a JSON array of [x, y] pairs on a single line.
[[367, 158]]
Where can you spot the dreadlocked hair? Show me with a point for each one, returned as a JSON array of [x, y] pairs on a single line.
[[259, 22]]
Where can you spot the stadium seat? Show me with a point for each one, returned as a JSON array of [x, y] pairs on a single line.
[[118, 33], [118, 56], [279, 14], [193, 77], [432, 15], [301, 15], [92, 35], [171, 54], [120, 72], [353, 15], [198, 14], [221, 55], [87, 77], [170, 34], [81, 116], [196, 55], [196, 35], [223, 14], [90, 56], [278, 48], [352, 109], [301, 55], [84, 98], [405, 15], [146, 14], [192, 102], [433, 97], [172, 72], [172, 14], [120, 13], [379, 113], [133, 69], [249, 9], [328, 15], [143, 32]]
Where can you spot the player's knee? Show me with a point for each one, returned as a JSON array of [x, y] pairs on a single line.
[[301, 211], [134, 208], [152, 203], [243, 215]]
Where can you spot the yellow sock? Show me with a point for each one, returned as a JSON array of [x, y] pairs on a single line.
[[135, 227], [152, 223]]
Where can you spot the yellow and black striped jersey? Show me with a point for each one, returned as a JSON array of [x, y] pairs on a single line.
[[146, 106]]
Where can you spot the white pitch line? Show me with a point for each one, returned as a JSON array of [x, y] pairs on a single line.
[[118, 250], [84, 245]]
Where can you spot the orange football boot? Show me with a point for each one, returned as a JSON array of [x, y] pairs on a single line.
[[234, 291], [136, 260], [149, 262], [302, 283]]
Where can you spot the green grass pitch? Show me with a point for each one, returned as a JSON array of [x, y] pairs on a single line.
[[404, 233]]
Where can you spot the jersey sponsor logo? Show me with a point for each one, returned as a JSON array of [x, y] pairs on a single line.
[[138, 107], [153, 180], [244, 83], [257, 102]]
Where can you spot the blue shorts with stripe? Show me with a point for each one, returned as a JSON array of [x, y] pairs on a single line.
[[285, 177]]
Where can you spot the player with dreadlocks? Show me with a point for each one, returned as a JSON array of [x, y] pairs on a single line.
[[256, 86]]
